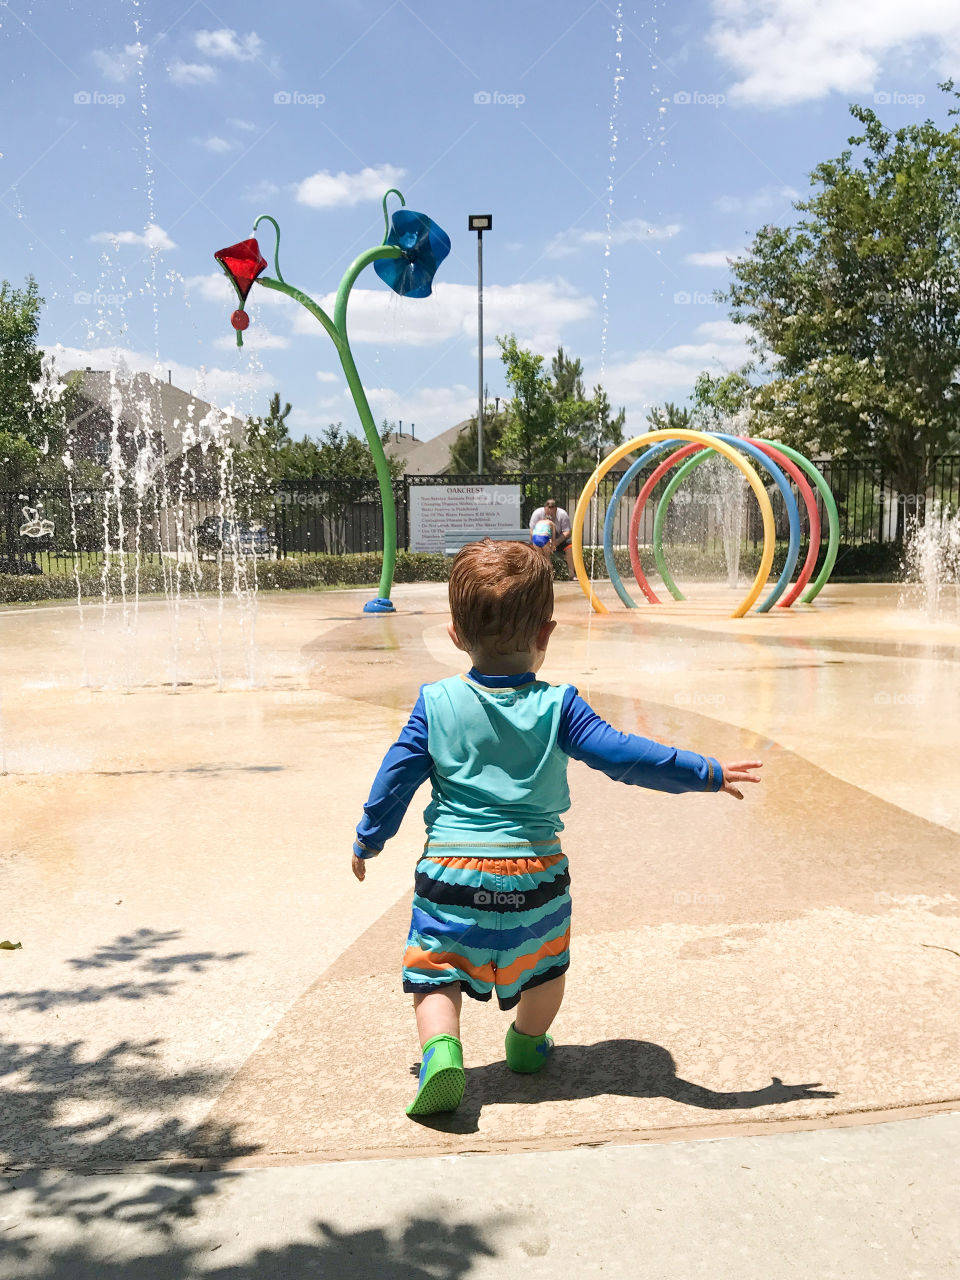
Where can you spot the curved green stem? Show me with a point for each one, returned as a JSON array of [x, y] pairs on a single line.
[[363, 409], [337, 329], [305, 300], [392, 191], [350, 278], [276, 244]]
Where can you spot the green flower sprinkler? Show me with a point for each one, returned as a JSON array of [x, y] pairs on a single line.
[[412, 249]]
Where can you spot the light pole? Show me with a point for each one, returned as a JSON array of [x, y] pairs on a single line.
[[480, 222]]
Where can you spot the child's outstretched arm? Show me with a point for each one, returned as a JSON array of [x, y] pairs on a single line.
[[405, 767], [641, 762]]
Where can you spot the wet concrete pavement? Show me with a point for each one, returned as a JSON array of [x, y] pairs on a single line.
[[202, 979]]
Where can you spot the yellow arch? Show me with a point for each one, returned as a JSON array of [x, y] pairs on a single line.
[[651, 437]]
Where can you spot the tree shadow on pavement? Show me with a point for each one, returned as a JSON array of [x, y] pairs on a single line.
[[625, 1068], [70, 1112], [422, 1248], [66, 1105]]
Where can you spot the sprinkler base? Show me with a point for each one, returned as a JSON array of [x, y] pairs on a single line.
[[382, 604]]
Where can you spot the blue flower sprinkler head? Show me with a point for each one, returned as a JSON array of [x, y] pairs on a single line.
[[424, 246]]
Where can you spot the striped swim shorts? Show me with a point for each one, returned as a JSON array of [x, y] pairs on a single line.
[[490, 924]]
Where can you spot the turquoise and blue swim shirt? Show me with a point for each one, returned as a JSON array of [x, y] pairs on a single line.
[[495, 749]]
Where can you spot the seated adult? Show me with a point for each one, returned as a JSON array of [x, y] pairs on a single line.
[[562, 530]]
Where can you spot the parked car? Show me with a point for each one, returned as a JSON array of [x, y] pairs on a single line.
[[214, 534]]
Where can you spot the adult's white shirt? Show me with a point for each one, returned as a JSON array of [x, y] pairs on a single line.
[[562, 520]]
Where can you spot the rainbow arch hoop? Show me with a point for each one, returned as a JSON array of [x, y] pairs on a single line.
[[696, 446]]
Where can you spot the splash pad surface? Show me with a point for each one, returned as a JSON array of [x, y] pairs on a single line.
[[197, 957]]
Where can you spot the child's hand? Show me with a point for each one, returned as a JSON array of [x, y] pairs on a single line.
[[739, 772], [359, 867]]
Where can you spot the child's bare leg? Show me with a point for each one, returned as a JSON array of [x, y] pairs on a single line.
[[441, 1081], [438, 1012], [539, 1006]]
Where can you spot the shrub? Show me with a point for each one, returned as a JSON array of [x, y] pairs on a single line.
[[868, 560]]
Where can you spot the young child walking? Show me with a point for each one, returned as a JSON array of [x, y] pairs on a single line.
[[491, 902]]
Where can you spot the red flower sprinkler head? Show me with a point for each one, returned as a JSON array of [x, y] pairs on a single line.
[[242, 263]]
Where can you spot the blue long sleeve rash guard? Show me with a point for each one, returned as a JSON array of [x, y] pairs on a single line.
[[582, 735]]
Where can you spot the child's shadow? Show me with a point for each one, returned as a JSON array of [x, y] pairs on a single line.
[[631, 1068]]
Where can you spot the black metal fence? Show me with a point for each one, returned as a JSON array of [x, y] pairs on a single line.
[[307, 517]]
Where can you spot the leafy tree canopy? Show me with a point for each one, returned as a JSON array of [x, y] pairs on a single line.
[[549, 423], [33, 403], [854, 312], [272, 455]]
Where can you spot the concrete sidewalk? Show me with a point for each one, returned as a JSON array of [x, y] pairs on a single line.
[[877, 1202]]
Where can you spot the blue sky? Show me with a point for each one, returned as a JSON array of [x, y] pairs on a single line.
[[140, 136]]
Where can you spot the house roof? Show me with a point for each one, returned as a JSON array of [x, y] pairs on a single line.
[[147, 403], [426, 457]]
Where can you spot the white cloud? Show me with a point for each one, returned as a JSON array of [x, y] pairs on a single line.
[[765, 200], [323, 375], [118, 64], [262, 190], [192, 72], [216, 144], [430, 409], [537, 312], [787, 52], [245, 126], [652, 376], [225, 43], [325, 190], [572, 241], [713, 257], [152, 237], [233, 390]]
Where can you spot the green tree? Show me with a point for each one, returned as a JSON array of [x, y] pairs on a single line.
[[575, 416], [272, 455], [717, 397], [338, 453], [670, 416], [550, 423], [262, 460], [33, 403], [463, 451], [528, 440], [607, 427], [855, 312]]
